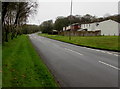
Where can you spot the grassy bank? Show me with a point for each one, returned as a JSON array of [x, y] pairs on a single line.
[[102, 42], [22, 67]]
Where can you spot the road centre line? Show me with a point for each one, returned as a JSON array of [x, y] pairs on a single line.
[[73, 51], [109, 65]]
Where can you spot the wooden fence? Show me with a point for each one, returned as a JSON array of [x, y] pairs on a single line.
[[81, 33]]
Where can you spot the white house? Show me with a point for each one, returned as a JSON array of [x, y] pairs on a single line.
[[107, 27]]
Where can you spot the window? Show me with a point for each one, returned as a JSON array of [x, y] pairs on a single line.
[[97, 24]]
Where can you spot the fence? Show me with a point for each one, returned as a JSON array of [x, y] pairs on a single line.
[[81, 33]]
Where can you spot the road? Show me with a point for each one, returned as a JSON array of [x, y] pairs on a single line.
[[75, 66]]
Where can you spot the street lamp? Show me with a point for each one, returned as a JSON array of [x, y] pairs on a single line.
[[70, 21]]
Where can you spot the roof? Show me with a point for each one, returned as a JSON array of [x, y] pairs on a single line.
[[102, 21]]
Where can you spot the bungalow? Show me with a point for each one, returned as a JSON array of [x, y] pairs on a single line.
[[107, 27]]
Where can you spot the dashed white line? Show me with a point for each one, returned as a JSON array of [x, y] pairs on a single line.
[[73, 51], [109, 65]]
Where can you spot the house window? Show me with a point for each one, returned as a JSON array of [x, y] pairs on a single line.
[[97, 24]]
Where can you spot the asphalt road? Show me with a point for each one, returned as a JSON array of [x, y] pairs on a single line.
[[75, 66]]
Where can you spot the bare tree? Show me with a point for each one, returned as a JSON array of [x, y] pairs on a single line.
[[14, 15]]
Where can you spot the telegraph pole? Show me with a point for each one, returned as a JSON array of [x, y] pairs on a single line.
[[70, 21]]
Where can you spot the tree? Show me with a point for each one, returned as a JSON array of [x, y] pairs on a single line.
[[60, 23], [88, 18], [14, 15], [4, 11], [47, 26]]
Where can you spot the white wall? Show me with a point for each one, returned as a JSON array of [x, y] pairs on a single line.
[[108, 27], [90, 27]]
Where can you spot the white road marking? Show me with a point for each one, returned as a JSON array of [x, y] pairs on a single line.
[[92, 49], [109, 65], [73, 51], [115, 54], [104, 52], [109, 53], [97, 50], [83, 47]]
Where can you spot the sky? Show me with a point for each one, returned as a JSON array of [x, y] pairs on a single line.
[[51, 9]]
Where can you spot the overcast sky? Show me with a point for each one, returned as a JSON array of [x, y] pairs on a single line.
[[51, 9]]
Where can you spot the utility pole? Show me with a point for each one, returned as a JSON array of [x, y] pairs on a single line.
[[70, 21]]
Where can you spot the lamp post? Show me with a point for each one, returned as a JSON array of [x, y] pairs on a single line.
[[70, 21]]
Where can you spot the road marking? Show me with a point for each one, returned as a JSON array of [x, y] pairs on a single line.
[[105, 52], [115, 54], [102, 51], [92, 49], [73, 51], [97, 50], [109, 53], [109, 65]]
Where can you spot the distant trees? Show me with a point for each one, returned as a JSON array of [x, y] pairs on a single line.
[[47, 26], [114, 17], [14, 15], [60, 22], [28, 29]]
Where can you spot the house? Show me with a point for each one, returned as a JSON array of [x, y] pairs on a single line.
[[76, 30], [107, 27], [73, 27]]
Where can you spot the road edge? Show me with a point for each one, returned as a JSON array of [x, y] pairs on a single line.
[[84, 46], [40, 55]]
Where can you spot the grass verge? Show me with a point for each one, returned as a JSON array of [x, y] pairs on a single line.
[[101, 42], [22, 67]]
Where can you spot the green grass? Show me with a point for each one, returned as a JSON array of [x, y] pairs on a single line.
[[102, 42], [22, 67]]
